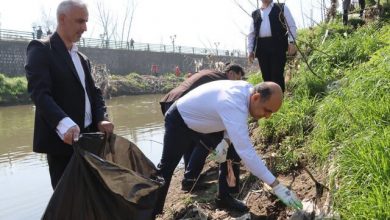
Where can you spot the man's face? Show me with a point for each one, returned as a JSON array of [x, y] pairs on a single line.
[[74, 23], [266, 1], [231, 75], [259, 109]]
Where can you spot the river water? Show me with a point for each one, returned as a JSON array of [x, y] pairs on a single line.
[[24, 177]]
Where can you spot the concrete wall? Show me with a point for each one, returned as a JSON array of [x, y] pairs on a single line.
[[122, 62]]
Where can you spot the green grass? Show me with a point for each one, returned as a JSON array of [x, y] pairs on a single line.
[[13, 90], [355, 121], [342, 111]]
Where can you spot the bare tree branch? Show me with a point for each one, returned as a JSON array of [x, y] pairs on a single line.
[[134, 6], [242, 8], [47, 22]]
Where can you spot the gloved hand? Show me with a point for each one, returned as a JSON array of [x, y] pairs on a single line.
[[221, 151], [287, 196]]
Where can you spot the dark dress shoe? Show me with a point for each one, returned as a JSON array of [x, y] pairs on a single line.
[[188, 184], [231, 204]]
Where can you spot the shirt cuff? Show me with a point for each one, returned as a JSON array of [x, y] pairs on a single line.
[[63, 126]]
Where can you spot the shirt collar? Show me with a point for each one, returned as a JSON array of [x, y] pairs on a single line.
[[74, 48], [270, 5]]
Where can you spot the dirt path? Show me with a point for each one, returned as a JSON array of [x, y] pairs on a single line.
[[262, 204]]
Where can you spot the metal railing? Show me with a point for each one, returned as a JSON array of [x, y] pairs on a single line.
[[13, 35]]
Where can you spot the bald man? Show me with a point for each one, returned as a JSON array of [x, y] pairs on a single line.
[[221, 106], [61, 86]]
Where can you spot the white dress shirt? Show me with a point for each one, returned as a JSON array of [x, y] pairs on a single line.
[[223, 106], [265, 27], [66, 123]]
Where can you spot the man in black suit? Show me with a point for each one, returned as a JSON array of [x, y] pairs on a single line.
[[61, 86]]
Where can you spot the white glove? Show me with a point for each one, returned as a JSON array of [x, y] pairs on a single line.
[[221, 151], [287, 196]]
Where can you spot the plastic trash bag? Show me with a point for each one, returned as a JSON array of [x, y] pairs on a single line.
[[107, 178]]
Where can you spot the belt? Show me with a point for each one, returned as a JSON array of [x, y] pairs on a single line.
[[264, 38], [87, 129]]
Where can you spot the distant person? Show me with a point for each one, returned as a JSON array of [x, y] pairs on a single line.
[[154, 69], [39, 32], [177, 71], [268, 40], [48, 32], [132, 44], [61, 86], [347, 5], [215, 107]]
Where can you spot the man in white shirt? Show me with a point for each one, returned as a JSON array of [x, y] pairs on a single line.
[[272, 33], [61, 86], [221, 106]]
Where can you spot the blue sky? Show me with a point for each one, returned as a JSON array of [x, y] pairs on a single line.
[[199, 23]]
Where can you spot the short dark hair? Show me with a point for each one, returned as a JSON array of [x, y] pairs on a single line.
[[264, 91], [235, 68]]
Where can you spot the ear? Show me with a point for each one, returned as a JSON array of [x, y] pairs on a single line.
[[61, 18], [256, 97]]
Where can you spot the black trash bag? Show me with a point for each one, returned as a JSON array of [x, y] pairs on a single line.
[[107, 178]]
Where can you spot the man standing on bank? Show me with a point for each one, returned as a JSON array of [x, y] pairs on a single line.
[[272, 33], [61, 86], [346, 7], [221, 106]]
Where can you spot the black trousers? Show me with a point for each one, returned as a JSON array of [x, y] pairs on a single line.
[[178, 138], [223, 187], [57, 165], [58, 162], [346, 6], [195, 158], [272, 59], [187, 155]]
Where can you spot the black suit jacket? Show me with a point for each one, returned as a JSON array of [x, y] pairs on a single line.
[[56, 90]]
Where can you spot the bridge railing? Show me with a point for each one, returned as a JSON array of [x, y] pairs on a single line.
[[14, 35]]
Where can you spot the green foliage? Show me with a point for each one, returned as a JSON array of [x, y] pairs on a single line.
[[343, 109], [13, 90], [255, 78], [370, 2], [355, 119], [134, 83], [288, 127], [364, 169]]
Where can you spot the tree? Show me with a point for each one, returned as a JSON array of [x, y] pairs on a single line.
[[48, 22], [106, 22], [332, 10], [110, 23]]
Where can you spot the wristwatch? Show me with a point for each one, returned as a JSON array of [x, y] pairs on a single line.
[[275, 183], [291, 42]]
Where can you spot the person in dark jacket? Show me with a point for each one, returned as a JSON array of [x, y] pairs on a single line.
[[272, 34], [61, 86]]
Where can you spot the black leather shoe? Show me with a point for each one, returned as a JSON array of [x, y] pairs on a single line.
[[187, 185], [231, 204]]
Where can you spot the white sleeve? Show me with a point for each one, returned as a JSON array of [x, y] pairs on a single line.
[[237, 129], [292, 30], [251, 37], [63, 126]]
